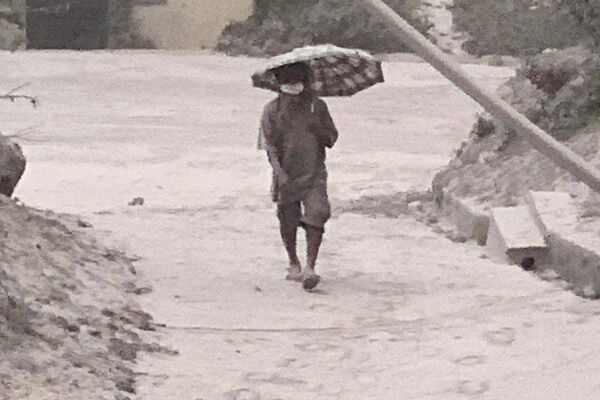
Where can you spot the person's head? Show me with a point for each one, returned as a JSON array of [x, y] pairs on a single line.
[[293, 78]]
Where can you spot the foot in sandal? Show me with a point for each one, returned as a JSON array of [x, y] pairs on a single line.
[[294, 273], [310, 279]]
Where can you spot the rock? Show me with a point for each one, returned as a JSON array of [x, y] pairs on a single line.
[[415, 207], [591, 205], [84, 224], [139, 319], [456, 237], [12, 165], [126, 384], [549, 275], [108, 313], [589, 292], [141, 290], [488, 156], [124, 350], [484, 126], [138, 201], [432, 220], [496, 61]]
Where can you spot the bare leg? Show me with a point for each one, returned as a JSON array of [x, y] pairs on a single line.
[[314, 237], [288, 227], [289, 233]]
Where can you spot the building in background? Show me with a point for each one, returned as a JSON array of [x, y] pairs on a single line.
[[100, 24], [66, 24], [187, 24], [60, 24]]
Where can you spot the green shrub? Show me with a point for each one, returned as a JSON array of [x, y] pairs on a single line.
[[587, 14], [515, 27], [277, 26]]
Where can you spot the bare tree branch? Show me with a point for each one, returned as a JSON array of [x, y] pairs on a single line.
[[11, 96], [19, 87]]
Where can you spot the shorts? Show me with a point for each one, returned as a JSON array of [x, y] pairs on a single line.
[[313, 210]]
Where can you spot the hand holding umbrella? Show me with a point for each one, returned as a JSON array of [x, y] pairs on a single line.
[[336, 71]]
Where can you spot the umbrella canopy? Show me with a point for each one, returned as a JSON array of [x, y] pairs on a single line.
[[336, 71]]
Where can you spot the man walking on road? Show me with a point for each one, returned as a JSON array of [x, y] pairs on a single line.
[[296, 128]]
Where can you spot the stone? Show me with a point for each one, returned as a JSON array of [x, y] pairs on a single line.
[[137, 201], [12, 165]]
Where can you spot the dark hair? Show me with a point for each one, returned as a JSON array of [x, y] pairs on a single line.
[[293, 73]]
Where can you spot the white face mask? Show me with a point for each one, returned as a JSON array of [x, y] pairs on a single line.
[[292, 89]]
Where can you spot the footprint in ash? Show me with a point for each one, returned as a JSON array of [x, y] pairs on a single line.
[[242, 394], [473, 359], [501, 337], [275, 379], [473, 388]]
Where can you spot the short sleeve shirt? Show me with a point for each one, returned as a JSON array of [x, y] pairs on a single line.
[[298, 131]]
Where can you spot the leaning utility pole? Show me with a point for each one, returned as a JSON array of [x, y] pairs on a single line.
[[540, 140]]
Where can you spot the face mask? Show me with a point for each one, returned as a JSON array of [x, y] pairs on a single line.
[[292, 89]]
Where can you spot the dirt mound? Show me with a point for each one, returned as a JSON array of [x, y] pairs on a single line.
[[559, 91], [69, 326]]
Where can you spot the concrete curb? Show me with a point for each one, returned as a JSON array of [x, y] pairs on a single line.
[[575, 258], [464, 215], [575, 264]]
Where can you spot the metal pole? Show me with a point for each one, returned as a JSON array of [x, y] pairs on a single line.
[[540, 140]]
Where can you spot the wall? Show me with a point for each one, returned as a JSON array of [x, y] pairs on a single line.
[[60, 24], [189, 24]]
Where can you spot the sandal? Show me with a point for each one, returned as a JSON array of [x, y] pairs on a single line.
[[310, 280], [294, 273]]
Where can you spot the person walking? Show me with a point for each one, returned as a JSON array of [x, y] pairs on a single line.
[[297, 128]]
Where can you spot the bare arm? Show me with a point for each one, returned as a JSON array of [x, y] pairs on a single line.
[[273, 155]]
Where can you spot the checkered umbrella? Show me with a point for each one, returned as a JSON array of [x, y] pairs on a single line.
[[337, 71]]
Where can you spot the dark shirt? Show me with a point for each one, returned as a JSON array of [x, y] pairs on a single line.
[[296, 131]]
